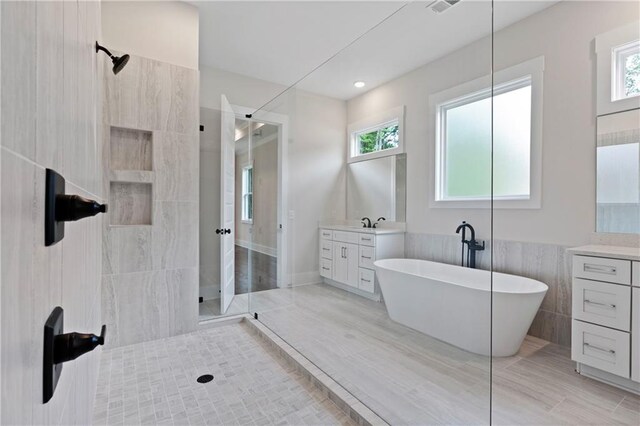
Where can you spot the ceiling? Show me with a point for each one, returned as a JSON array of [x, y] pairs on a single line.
[[281, 42]]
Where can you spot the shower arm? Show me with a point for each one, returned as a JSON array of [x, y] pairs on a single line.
[[104, 49]]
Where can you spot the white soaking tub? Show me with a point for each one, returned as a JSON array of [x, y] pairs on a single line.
[[453, 304]]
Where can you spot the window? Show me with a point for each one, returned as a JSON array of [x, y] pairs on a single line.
[[626, 71], [385, 136], [247, 194], [378, 136], [465, 144], [488, 140]]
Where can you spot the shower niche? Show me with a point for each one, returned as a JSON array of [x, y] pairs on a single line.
[[131, 177]]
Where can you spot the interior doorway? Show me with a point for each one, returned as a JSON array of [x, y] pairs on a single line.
[[250, 232]]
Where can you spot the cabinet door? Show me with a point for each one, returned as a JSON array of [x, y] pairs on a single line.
[[340, 266], [353, 269], [635, 336]]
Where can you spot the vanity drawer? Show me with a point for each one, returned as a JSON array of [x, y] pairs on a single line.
[[326, 249], [326, 234], [601, 347], [635, 274], [366, 280], [326, 268], [367, 257], [345, 237], [602, 269], [367, 240], [602, 303]]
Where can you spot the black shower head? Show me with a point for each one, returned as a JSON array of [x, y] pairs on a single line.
[[118, 61]]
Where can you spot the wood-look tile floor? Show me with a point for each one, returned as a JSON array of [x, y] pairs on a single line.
[[409, 378]]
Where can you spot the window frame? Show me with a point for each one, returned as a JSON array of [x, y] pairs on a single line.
[[246, 215], [605, 43], [619, 55], [369, 124], [503, 81]]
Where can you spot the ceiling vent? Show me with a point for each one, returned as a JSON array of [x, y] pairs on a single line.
[[441, 5]]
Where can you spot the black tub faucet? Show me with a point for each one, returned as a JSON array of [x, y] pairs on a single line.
[[472, 244], [366, 224]]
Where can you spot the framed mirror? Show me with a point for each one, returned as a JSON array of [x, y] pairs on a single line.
[[377, 188], [618, 173]]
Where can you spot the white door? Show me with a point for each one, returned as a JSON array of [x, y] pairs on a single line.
[[340, 266], [352, 264], [227, 187]]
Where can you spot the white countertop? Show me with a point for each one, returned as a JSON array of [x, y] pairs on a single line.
[[353, 228], [615, 252]]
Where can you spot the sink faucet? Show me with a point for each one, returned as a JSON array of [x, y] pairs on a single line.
[[375, 225], [472, 245], [367, 224]]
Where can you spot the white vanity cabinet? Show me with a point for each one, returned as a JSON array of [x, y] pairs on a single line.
[[347, 256], [635, 322], [605, 332]]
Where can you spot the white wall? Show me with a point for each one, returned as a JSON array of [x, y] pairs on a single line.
[[166, 31], [316, 160], [564, 34], [264, 158]]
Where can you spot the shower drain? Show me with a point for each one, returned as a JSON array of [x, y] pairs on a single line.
[[205, 378]]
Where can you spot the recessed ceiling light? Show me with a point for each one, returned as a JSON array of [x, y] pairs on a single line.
[[359, 84]]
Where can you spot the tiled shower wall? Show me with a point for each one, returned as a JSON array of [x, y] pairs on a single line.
[[50, 77], [548, 263], [150, 253]]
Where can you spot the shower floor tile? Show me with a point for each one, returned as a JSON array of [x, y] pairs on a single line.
[[155, 383]]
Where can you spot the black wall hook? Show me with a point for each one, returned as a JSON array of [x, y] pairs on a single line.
[[60, 208]]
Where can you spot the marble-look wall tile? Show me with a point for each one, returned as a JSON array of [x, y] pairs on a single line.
[[153, 95], [18, 77], [127, 249], [130, 149], [145, 306], [547, 263], [177, 168], [130, 203], [175, 235], [151, 279]]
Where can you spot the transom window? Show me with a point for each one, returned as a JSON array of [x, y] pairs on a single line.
[[626, 71], [247, 194], [380, 138], [377, 136]]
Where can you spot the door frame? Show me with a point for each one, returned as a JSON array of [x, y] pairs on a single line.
[[282, 121]]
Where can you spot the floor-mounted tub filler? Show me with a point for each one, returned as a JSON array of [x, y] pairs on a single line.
[[453, 304]]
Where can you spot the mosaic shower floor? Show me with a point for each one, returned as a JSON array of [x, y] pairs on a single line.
[[155, 383]]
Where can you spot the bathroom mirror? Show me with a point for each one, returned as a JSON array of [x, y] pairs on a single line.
[[377, 188], [618, 173]]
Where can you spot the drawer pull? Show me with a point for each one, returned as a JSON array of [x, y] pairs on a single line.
[[600, 269], [325, 268], [325, 249], [366, 239], [606, 305], [366, 257], [366, 281], [597, 348]]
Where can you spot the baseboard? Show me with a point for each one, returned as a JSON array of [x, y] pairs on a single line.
[[210, 292], [269, 251], [305, 278]]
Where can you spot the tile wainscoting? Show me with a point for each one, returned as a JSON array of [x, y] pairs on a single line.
[[548, 263]]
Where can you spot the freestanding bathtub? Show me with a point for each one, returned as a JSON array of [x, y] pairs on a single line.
[[453, 304]]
